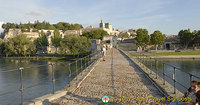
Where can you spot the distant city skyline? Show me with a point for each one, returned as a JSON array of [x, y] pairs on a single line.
[[168, 16]]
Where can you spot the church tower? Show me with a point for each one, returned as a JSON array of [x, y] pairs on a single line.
[[101, 25]]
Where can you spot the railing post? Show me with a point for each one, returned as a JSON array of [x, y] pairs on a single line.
[[163, 73], [174, 78], [76, 70], [190, 79], [156, 69], [53, 78], [81, 66], [70, 74], [21, 88], [150, 65], [85, 63]]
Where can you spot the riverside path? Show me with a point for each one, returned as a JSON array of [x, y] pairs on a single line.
[[118, 78]]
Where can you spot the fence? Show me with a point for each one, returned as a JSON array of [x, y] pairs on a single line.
[[167, 72], [73, 69]]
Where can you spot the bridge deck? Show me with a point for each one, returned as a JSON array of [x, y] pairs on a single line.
[[116, 77]]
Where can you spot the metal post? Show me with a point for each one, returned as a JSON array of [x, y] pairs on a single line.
[[85, 63], [53, 78], [150, 65], [163, 73], [81, 67], [174, 78], [70, 74], [88, 60], [156, 68], [76, 70], [21, 88], [190, 79]]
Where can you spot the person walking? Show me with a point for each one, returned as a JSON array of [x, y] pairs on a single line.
[[104, 52]]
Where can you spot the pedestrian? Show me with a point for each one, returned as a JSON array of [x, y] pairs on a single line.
[[190, 93], [104, 52]]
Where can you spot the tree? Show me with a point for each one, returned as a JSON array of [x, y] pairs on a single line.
[[95, 34], [1, 46], [142, 38], [20, 45], [157, 38], [42, 40], [75, 44], [196, 37], [125, 35], [186, 37], [133, 34], [56, 39]]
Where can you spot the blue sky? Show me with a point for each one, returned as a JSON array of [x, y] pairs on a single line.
[[168, 16]]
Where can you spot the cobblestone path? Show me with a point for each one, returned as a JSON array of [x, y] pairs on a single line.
[[116, 77]]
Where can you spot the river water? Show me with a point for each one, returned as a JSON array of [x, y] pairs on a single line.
[[183, 67], [37, 80]]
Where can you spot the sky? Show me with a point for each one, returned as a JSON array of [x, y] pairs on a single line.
[[167, 16]]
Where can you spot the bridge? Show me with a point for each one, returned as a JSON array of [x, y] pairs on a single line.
[[119, 78]]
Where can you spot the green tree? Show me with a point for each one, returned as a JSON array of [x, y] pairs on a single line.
[[197, 37], [42, 41], [157, 38], [75, 44], [1, 46], [186, 37], [56, 39], [142, 38], [133, 35], [95, 34], [9, 48], [125, 35], [20, 45]]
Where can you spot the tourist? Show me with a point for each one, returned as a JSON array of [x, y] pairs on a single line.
[[104, 52], [196, 100], [188, 93], [101, 48], [198, 97]]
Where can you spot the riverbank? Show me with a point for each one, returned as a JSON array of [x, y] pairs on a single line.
[[48, 57], [172, 55]]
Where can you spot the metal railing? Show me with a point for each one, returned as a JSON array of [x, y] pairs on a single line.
[[159, 68], [74, 68]]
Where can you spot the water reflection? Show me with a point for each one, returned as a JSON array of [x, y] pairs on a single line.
[[186, 65], [36, 79]]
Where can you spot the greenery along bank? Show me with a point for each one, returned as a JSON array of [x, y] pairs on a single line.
[[187, 38], [42, 25]]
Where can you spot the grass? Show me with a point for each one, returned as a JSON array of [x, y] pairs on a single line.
[[167, 53]]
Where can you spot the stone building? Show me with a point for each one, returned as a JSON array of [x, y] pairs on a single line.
[[108, 28], [172, 42]]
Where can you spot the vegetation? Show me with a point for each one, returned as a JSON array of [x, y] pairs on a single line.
[[142, 38], [75, 44], [153, 54], [125, 35], [157, 38], [186, 37], [56, 39], [42, 25], [41, 41], [95, 34], [19, 45]]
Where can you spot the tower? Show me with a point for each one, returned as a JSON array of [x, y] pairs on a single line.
[[102, 25]]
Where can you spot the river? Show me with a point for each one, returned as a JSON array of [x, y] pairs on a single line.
[[183, 66], [37, 80]]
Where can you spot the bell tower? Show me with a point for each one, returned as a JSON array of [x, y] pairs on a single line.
[[101, 25]]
